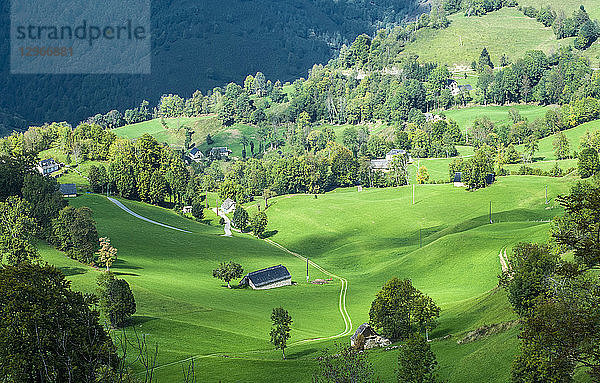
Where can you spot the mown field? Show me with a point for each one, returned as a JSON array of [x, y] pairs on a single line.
[[499, 115], [460, 43], [444, 243]]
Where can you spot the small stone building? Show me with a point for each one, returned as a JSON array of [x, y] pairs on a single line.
[[370, 337], [269, 278]]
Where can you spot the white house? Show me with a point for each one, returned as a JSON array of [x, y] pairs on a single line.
[[228, 206], [48, 166], [220, 153], [196, 155], [456, 89], [383, 164]]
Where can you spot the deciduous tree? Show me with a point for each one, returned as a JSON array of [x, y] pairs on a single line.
[[228, 271], [48, 333], [400, 310], [416, 361], [116, 299], [107, 254], [280, 330]]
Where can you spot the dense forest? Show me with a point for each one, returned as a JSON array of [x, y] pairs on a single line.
[[200, 46]]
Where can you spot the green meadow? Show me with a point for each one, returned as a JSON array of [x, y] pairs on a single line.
[[460, 43], [545, 151], [464, 117], [443, 242]]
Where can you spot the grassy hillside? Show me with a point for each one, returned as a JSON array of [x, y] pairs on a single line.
[[448, 250], [546, 150], [463, 40], [497, 114], [568, 7]]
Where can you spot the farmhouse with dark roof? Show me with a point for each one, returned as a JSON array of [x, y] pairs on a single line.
[[196, 155], [68, 190], [269, 278]]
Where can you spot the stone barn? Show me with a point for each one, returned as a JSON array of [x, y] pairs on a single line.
[[269, 278], [368, 338]]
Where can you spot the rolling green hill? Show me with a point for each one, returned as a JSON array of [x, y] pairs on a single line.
[[447, 249], [460, 43], [568, 7]]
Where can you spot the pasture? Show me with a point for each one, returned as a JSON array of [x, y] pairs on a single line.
[[464, 117], [462, 42]]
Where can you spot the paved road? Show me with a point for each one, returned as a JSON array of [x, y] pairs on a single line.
[[227, 222], [125, 208]]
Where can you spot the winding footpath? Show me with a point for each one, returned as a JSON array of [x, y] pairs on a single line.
[[227, 228], [126, 209]]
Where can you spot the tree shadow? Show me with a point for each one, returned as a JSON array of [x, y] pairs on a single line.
[[130, 274], [121, 264], [234, 286], [300, 354], [139, 319], [69, 271], [269, 233]]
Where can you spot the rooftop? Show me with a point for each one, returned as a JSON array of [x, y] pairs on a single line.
[[267, 276], [67, 189]]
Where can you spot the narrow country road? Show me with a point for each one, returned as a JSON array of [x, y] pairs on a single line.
[[226, 219], [341, 302], [126, 209]]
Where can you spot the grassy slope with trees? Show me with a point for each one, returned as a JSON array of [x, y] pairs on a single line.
[[366, 237], [508, 27]]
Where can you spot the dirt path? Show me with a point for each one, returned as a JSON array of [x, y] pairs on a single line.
[[227, 221], [342, 301], [504, 260]]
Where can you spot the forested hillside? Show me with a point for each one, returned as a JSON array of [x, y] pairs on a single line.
[[200, 45]]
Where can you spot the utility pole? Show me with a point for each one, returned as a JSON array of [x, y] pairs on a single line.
[[420, 242], [546, 194], [490, 211], [307, 270], [413, 194]]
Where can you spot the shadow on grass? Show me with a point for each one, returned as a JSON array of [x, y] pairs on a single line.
[[69, 271], [235, 286], [121, 264], [268, 234], [139, 319], [300, 354], [129, 274]]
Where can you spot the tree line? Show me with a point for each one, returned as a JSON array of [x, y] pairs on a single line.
[[557, 297]]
